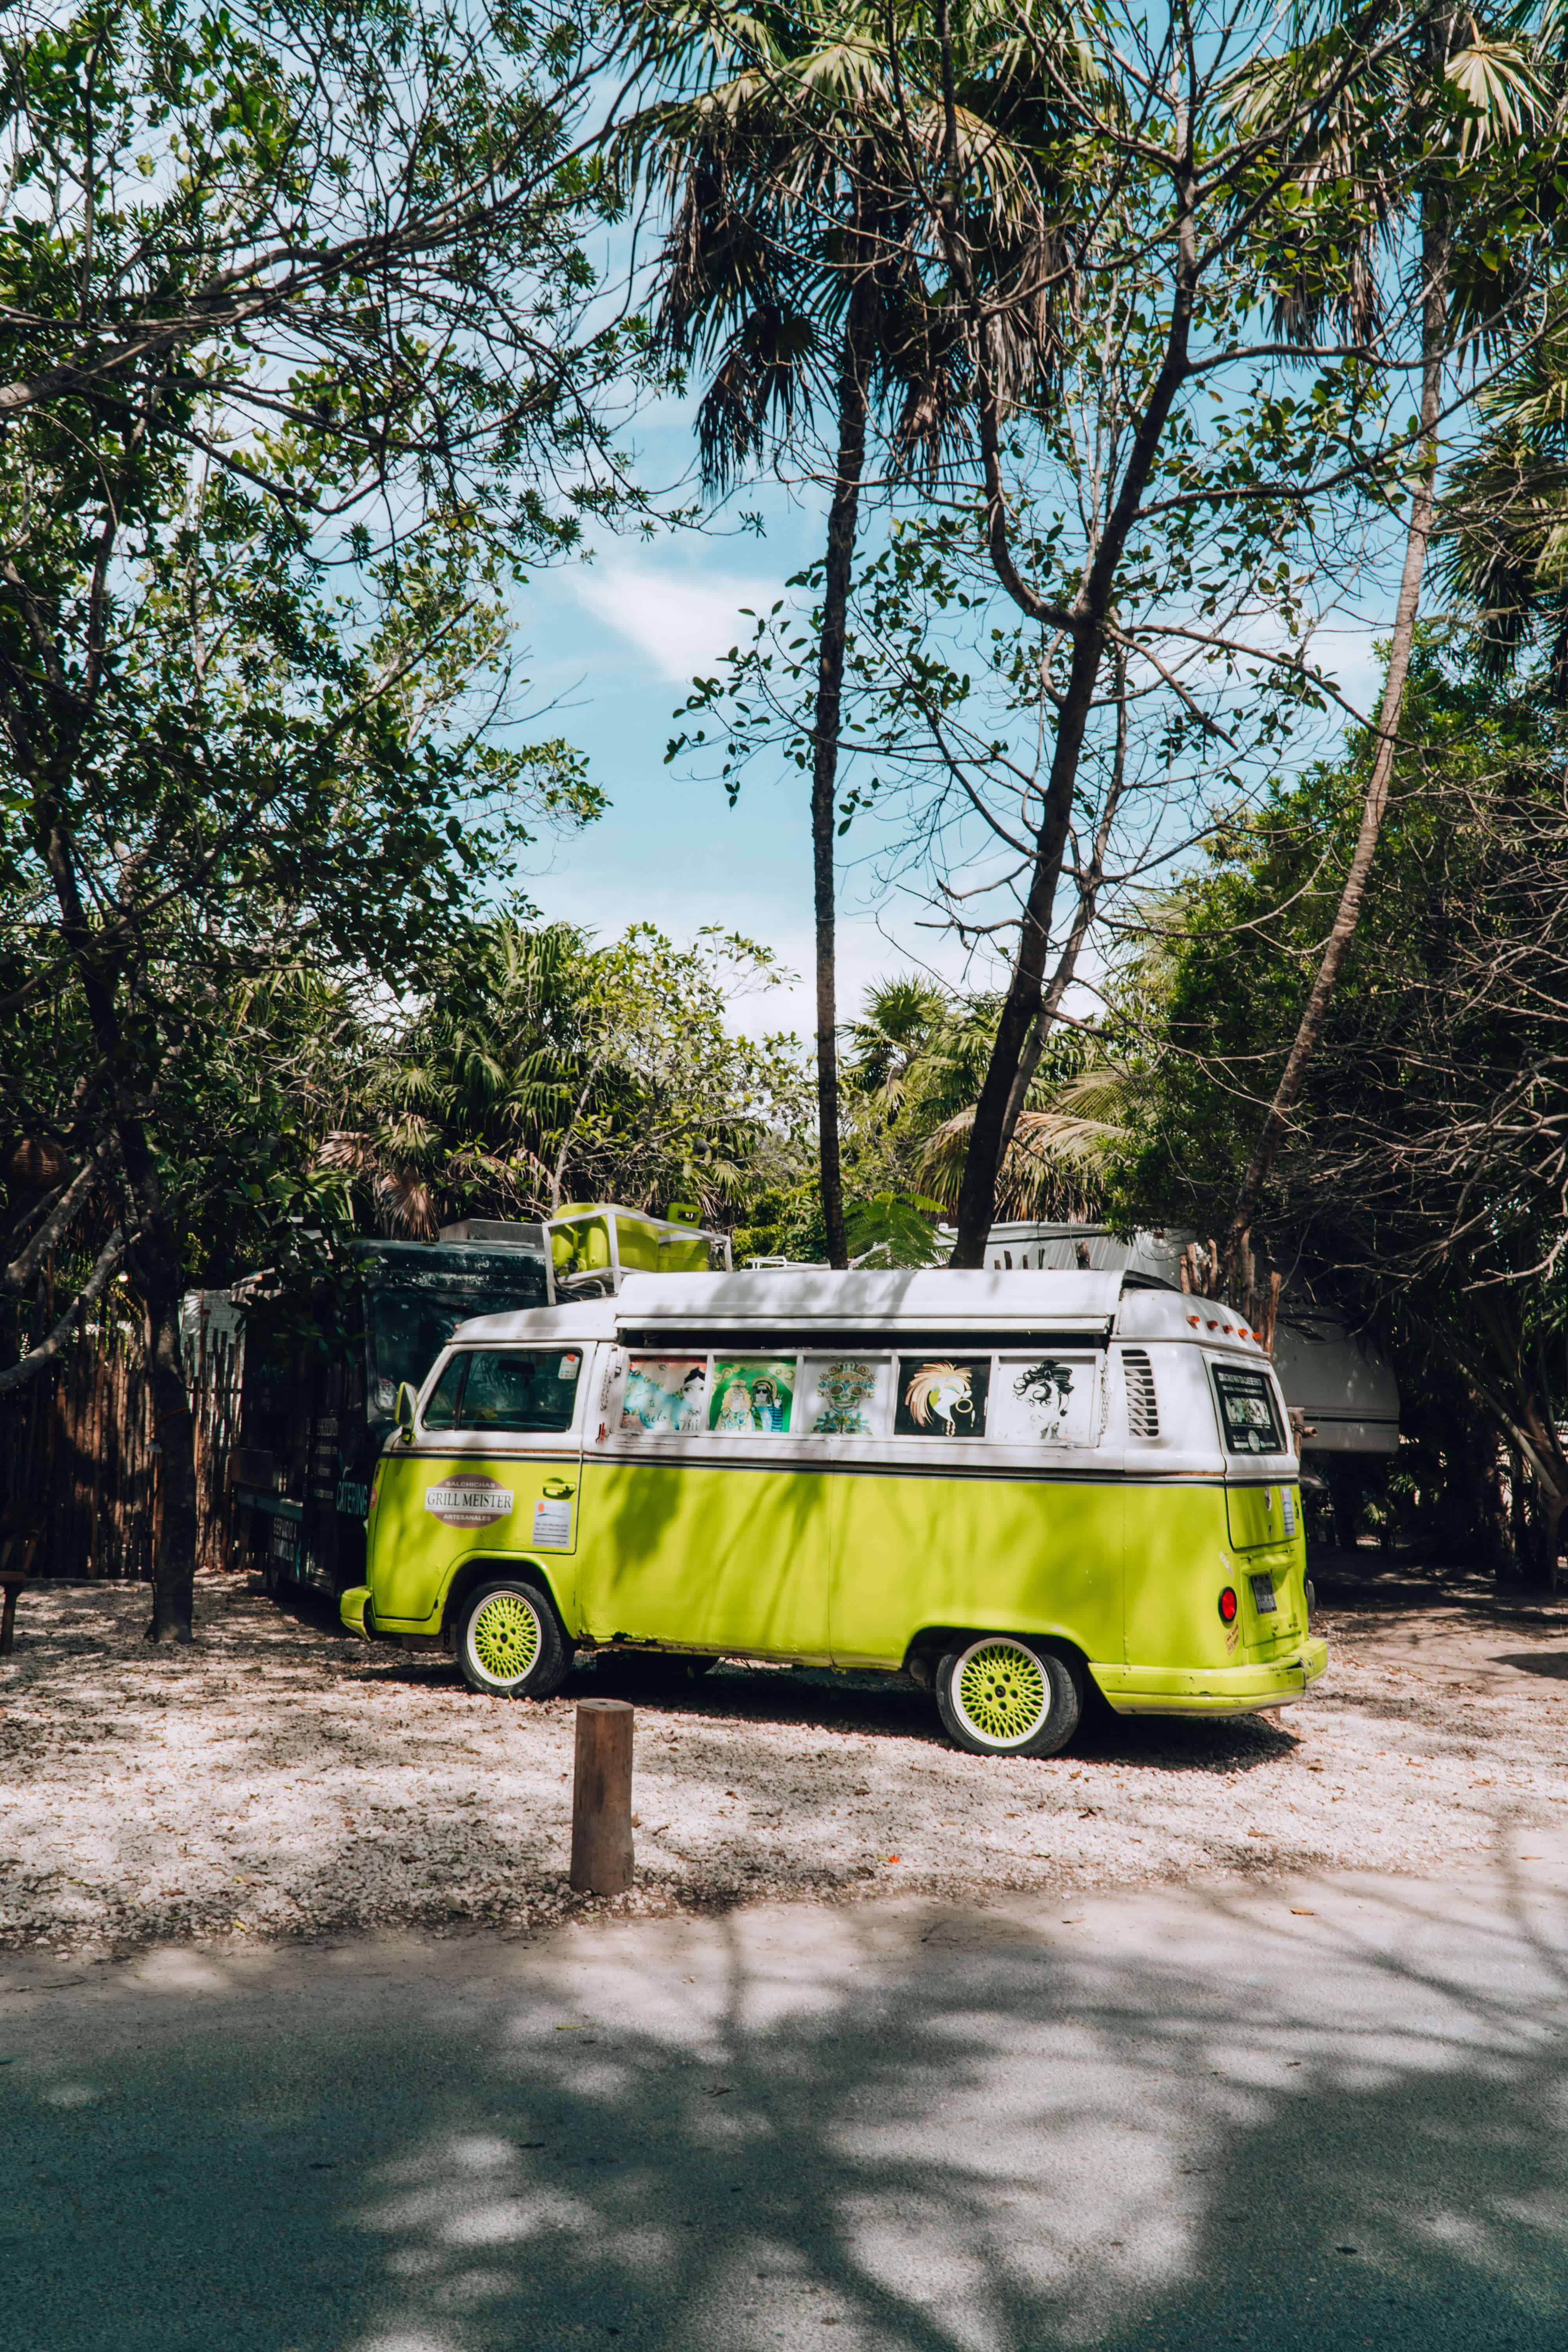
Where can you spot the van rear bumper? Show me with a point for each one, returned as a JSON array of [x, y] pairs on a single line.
[[1213, 1690]]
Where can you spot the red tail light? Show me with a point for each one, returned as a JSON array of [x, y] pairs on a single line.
[[1228, 1605]]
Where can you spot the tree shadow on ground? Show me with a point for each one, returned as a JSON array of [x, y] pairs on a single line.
[[965, 2136]]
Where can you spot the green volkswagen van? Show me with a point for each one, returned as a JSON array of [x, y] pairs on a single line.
[[1004, 1486]]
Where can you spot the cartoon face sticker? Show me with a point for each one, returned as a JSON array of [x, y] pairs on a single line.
[[665, 1396], [751, 1397], [1044, 1390], [942, 1397], [1045, 1400]]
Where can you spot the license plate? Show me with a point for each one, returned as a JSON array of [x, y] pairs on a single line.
[[1263, 1599]]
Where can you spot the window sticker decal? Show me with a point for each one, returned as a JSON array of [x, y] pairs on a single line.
[[845, 1397], [751, 1396], [1045, 1401], [940, 1396], [667, 1396]]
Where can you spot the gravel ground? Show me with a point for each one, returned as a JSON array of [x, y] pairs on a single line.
[[280, 1778]]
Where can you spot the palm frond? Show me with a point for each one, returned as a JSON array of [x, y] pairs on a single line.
[[1050, 1170]]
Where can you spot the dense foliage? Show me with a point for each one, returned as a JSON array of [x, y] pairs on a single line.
[[1423, 1181], [1120, 350]]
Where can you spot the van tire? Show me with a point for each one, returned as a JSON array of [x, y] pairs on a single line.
[[999, 1694], [509, 1642]]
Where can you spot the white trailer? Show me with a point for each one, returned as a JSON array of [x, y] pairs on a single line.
[[1339, 1382]]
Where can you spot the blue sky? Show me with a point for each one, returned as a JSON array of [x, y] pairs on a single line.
[[613, 642]]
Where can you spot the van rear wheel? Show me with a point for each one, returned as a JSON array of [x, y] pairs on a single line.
[[1000, 1695], [510, 1644]]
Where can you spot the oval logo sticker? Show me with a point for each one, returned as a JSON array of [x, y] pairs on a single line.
[[468, 1502]]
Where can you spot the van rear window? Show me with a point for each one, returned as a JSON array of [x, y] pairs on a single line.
[[1246, 1409]]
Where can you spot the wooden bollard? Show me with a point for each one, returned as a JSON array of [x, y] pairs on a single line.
[[602, 1798]]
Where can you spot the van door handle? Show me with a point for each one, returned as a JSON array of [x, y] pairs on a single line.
[[557, 1489]]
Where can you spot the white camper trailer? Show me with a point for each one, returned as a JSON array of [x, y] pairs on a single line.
[[1342, 1386]]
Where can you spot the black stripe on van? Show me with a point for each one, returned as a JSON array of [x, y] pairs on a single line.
[[748, 1340]]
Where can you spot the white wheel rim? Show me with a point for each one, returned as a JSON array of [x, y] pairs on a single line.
[[1001, 1693]]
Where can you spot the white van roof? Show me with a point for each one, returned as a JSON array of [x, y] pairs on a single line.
[[806, 1296], [796, 1301]]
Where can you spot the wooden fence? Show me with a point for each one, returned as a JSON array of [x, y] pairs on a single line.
[[76, 1449]]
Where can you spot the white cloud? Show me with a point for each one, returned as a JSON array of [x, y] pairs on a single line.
[[684, 625]]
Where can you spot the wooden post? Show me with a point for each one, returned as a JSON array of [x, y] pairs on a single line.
[[602, 1798]]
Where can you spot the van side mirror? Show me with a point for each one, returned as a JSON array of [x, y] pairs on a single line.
[[403, 1410]]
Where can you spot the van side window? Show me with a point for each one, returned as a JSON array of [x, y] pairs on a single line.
[[1045, 1400], [941, 1396], [751, 1396], [666, 1396], [843, 1396], [518, 1391], [1246, 1409]]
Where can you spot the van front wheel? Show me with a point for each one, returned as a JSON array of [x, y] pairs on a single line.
[[510, 1646], [1002, 1697]]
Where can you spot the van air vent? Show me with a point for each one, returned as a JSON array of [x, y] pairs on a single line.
[[1142, 1405]]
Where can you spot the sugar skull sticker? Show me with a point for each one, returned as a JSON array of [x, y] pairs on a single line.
[[843, 1401]]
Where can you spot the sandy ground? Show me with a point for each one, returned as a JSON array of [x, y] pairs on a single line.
[[279, 1779]]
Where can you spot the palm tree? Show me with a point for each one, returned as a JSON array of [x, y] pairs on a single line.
[[916, 1057], [792, 275], [1466, 104], [1505, 520]]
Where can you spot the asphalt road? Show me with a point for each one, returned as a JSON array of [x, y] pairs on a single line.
[[1183, 2119]]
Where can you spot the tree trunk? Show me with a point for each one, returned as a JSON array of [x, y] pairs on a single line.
[[1021, 1007], [154, 1257], [1518, 1514], [1089, 890], [1483, 1460], [173, 1435], [854, 387], [1090, 626], [1418, 533]]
